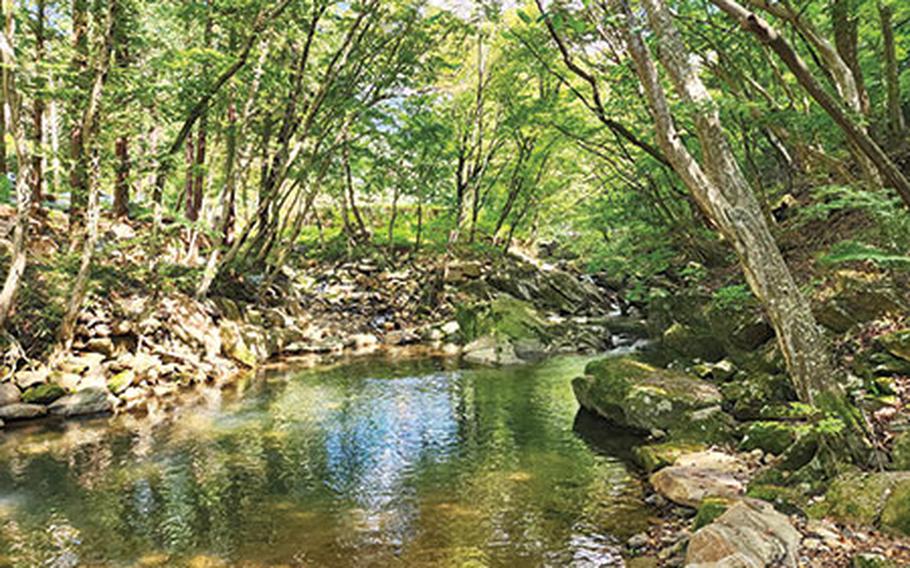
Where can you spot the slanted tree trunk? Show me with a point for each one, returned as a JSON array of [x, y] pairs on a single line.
[[896, 121], [12, 105], [721, 190], [840, 71], [89, 126], [855, 133]]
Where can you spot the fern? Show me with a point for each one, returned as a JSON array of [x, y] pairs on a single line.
[[849, 251]]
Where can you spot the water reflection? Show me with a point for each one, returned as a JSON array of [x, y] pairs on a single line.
[[374, 463]]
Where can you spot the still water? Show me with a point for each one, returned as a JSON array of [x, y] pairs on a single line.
[[371, 463]]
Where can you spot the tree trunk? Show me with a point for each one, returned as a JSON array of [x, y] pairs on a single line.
[[854, 132], [89, 127], [37, 172], [896, 122], [79, 162], [11, 115], [846, 34], [189, 157], [122, 179], [722, 192]]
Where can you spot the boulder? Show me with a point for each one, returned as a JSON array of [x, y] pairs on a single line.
[[872, 499], [636, 395], [689, 486], [27, 379], [655, 456], [686, 343], [86, 401], [897, 343], [871, 560], [21, 411], [9, 394], [749, 534], [771, 437], [900, 455], [855, 297], [234, 345], [489, 350], [748, 398], [43, 394]]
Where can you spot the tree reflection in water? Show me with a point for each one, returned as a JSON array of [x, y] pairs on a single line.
[[369, 463]]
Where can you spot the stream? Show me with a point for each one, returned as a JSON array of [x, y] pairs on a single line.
[[372, 462]]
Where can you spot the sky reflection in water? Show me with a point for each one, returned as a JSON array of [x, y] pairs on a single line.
[[373, 463]]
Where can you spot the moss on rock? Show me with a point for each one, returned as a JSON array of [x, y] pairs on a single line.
[[43, 394], [709, 510], [634, 394], [772, 437], [652, 457]]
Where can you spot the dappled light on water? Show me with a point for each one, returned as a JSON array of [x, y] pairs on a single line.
[[414, 463]]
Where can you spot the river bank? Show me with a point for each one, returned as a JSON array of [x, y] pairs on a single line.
[[136, 346]]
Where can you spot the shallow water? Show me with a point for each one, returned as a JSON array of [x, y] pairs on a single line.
[[373, 463]]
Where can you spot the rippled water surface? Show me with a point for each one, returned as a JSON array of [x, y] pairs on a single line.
[[374, 463]]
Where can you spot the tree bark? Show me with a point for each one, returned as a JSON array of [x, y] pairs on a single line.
[[38, 106], [12, 105], [89, 126], [846, 36], [122, 178], [896, 121], [78, 159], [854, 132], [722, 191]]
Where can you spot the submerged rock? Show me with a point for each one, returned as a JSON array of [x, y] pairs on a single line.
[[633, 394], [87, 401], [750, 533]]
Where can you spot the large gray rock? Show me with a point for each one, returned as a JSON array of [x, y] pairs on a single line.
[[87, 401], [750, 534], [22, 411], [9, 394]]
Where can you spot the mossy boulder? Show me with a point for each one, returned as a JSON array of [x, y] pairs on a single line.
[[43, 394], [897, 343], [860, 498], [652, 457], [636, 395], [900, 454], [505, 331], [772, 437], [896, 513], [747, 398], [870, 560], [686, 343], [854, 297]]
